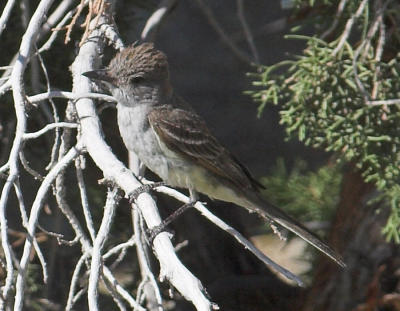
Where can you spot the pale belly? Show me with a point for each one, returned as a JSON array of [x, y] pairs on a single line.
[[169, 166]]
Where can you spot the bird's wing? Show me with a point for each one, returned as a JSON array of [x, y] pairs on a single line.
[[185, 132]]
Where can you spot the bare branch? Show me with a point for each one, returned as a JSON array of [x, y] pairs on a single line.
[[365, 45], [101, 237], [120, 247], [383, 102], [69, 95], [110, 32], [47, 45], [224, 37], [114, 294], [74, 281], [58, 13], [5, 87], [154, 21], [47, 128], [378, 57], [33, 219], [240, 238], [6, 14], [26, 166], [349, 25], [53, 18], [121, 291], [154, 300], [339, 12], [247, 31], [19, 101], [84, 199]]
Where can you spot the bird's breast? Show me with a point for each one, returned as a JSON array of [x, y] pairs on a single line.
[[140, 138], [170, 166]]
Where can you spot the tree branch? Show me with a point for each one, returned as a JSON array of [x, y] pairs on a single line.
[[6, 14], [33, 219], [98, 244], [19, 104]]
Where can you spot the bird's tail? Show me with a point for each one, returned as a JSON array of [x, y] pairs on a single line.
[[276, 215]]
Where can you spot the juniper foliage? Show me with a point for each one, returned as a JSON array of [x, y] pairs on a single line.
[[331, 95]]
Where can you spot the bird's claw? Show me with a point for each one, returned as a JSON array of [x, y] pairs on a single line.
[[151, 233], [143, 188]]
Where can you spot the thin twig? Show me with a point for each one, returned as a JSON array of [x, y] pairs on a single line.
[[74, 282], [84, 199], [27, 168], [33, 219], [349, 25], [240, 238], [98, 244], [47, 128], [71, 25], [19, 103], [58, 13], [121, 291], [224, 37], [120, 247], [55, 117], [339, 12], [115, 296], [154, 21], [69, 95], [5, 87], [4, 168], [47, 45], [53, 18], [378, 56], [383, 102], [247, 31], [6, 14], [153, 295], [24, 217], [365, 45]]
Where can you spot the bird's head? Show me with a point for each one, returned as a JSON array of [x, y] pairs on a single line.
[[137, 74]]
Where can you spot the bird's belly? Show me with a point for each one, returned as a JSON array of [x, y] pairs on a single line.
[[200, 180], [140, 138], [168, 165]]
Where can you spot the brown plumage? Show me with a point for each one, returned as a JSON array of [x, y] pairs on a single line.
[[140, 61], [185, 132]]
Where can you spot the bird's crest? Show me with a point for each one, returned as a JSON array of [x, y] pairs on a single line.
[[142, 60]]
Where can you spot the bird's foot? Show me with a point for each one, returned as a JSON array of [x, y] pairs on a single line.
[[143, 188], [153, 232]]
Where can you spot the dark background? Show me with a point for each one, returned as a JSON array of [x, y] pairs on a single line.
[[206, 73]]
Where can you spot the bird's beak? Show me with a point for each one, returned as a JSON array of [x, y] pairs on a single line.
[[99, 74]]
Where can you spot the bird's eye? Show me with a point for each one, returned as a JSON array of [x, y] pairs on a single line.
[[137, 80]]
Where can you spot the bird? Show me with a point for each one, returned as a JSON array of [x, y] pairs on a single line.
[[175, 143]]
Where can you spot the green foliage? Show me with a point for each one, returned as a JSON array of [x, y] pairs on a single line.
[[305, 3], [325, 98], [304, 193], [34, 288]]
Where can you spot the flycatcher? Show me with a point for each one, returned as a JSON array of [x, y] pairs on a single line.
[[175, 143]]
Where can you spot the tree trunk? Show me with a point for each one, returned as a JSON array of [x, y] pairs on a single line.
[[369, 281]]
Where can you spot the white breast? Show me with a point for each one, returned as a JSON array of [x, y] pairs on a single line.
[[140, 138]]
